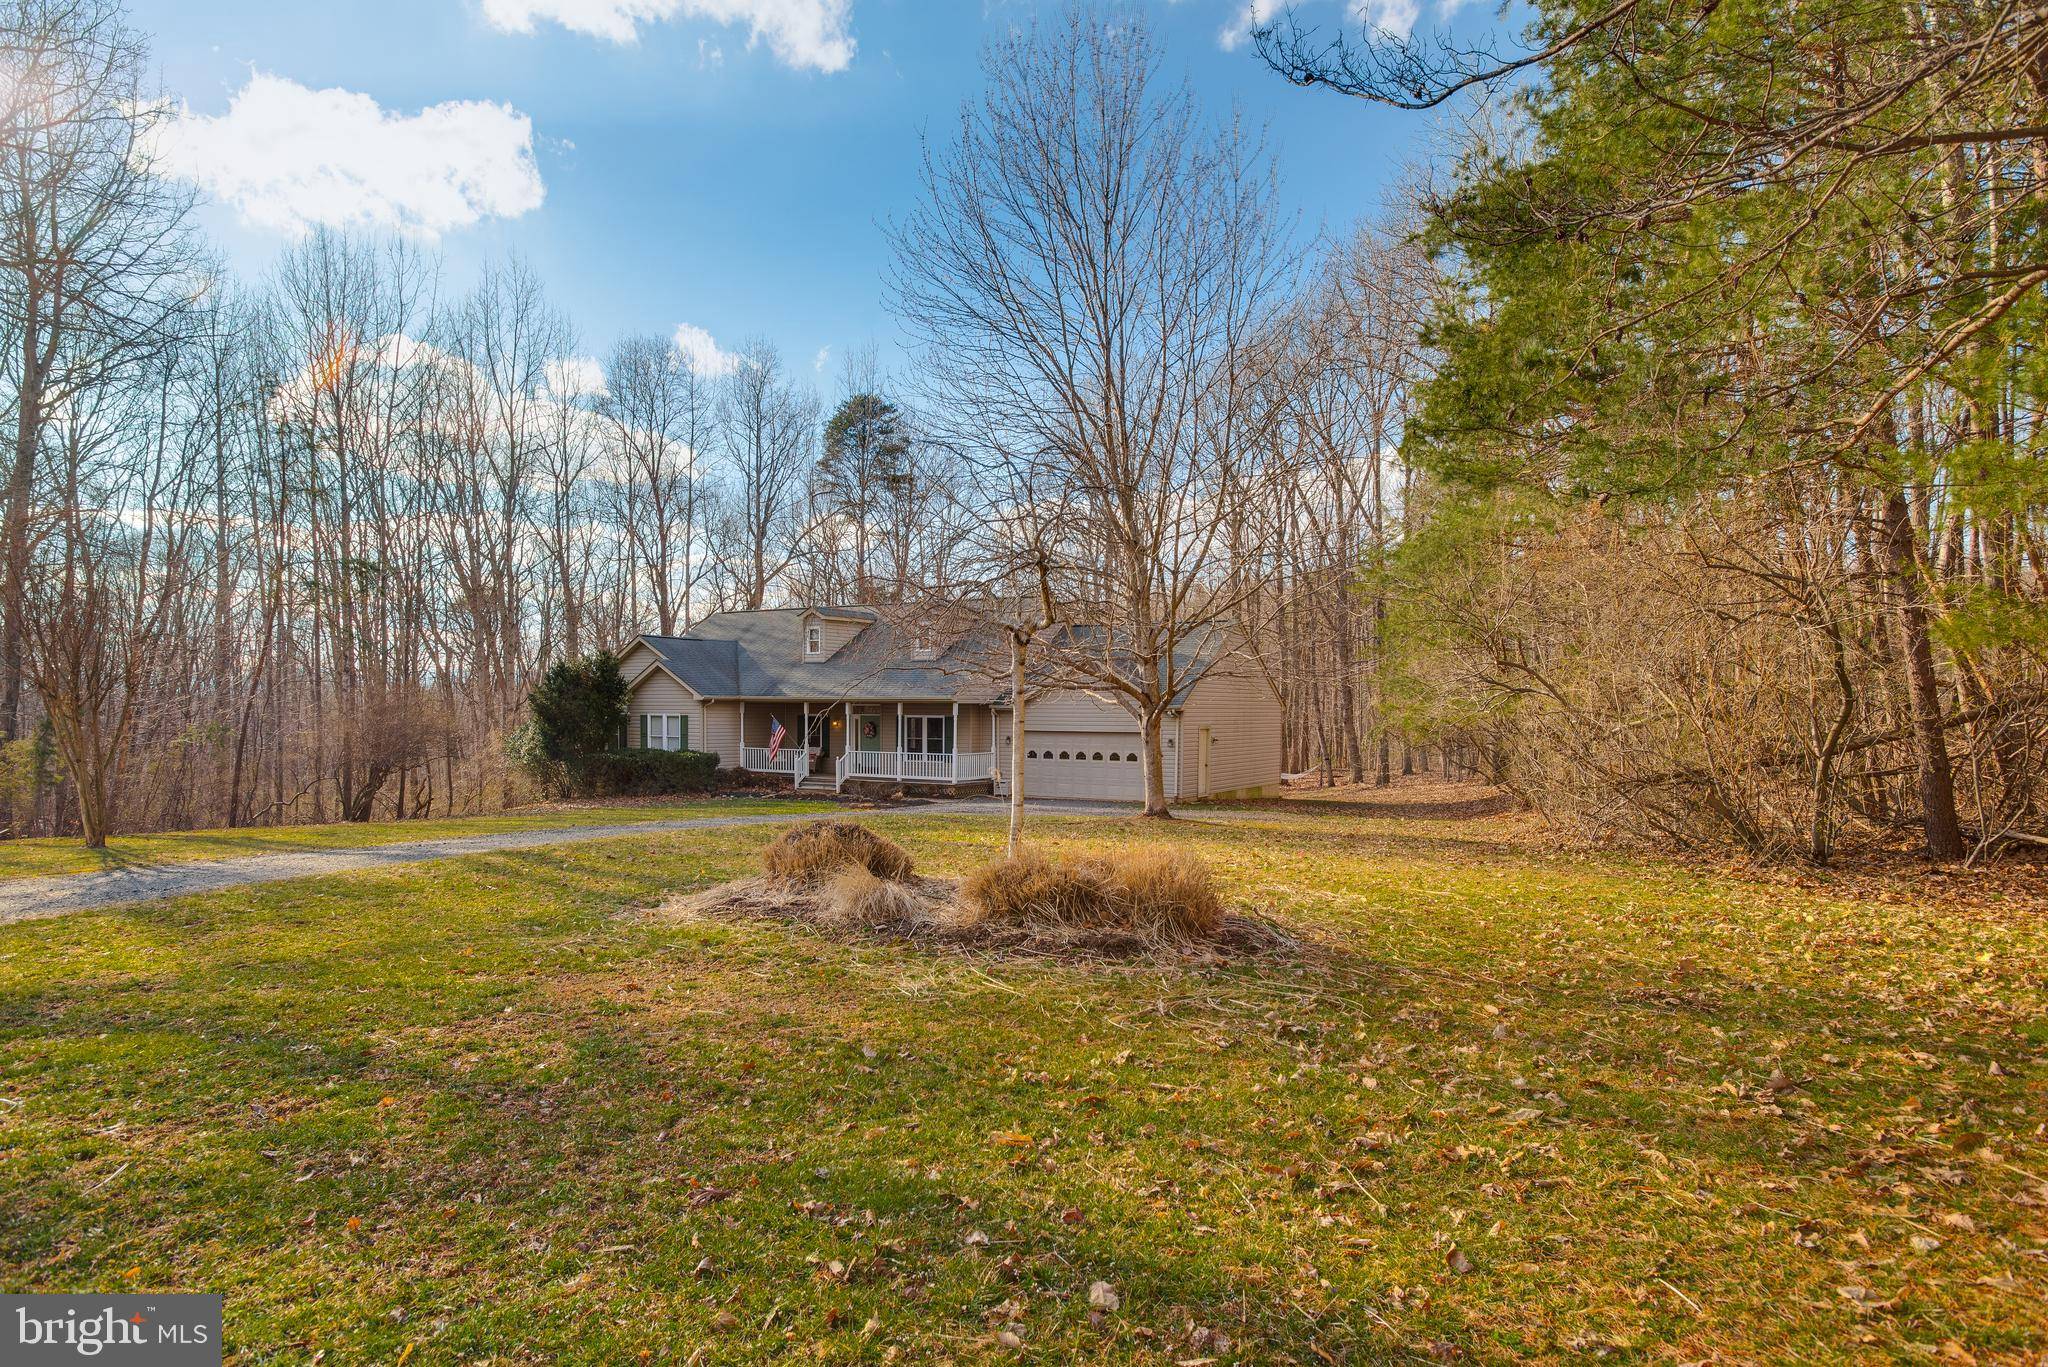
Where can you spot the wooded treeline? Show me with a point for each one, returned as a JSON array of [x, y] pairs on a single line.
[[301, 556], [1733, 530]]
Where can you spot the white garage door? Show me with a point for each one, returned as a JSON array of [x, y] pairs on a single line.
[[1084, 764]]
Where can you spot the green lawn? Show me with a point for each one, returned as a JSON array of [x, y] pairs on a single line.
[[1509, 1106], [42, 857]]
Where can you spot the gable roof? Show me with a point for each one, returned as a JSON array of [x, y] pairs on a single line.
[[758, 654], [1193, 657], [842, 614], [708, 668]]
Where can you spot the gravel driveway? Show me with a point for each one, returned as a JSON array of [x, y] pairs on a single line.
[[24, 899]]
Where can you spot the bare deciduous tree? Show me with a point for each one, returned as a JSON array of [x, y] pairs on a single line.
[[1089, 273], [95, 264]]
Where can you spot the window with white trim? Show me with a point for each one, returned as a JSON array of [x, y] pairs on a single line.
[[928, 735], [814, 640], [666, 731]]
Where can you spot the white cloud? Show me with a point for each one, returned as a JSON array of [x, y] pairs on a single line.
[[802, 33], [1250, 14], [1395, 18], [822, 359], [574, 375], [702, 351], [289, 159]]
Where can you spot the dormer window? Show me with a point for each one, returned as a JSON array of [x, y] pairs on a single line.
[[921, 644], [814, 641]]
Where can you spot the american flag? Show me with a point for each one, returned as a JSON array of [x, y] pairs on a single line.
[[775, 739]]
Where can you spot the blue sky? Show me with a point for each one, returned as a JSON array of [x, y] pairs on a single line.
[[730, 167]]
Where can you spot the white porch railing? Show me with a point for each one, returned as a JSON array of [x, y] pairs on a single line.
[[756, 757], [917, 768]]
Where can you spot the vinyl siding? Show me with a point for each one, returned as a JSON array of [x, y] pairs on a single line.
[[660, 695], [836, 634], [1074, 711], [721, 733], [635, 660], [975, 730], [1243, 718]]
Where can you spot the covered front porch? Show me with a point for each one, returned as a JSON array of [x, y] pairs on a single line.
[[898, 742]]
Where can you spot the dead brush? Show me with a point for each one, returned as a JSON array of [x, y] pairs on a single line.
[[856, 898], [1154, 904], [818, 850], [1152, 896]]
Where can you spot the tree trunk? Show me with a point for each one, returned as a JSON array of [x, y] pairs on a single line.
[[1154, 767], [1015, 843], [1923, 688]]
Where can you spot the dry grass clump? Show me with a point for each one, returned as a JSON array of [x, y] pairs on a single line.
[[855, 897], [818, 850], [1145, 903], [1150, 895]]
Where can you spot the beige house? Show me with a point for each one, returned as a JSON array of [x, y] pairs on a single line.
[[861, 700]]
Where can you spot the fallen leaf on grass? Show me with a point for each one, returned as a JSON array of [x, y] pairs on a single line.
[[1863, 1298]]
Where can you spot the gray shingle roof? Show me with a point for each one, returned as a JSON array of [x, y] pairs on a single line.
[[759, 655]]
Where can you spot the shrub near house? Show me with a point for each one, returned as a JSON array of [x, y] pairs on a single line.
[[572, 744]]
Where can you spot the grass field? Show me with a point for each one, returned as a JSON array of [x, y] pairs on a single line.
[[39, 858], [1507, 1105]]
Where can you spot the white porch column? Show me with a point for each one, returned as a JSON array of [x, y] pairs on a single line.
[[803, 740], [899, 739], [953, 758]]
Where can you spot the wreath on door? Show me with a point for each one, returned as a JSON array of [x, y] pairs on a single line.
[[870, 729]]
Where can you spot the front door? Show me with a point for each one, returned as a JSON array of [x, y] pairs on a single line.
[[867, 732]]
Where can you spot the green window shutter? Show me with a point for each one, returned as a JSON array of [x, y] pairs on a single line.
[[684, 743], [643, 730]]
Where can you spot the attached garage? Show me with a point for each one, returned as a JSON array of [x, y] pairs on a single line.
[[1084, 764], [1077, 747], [1221, 741]]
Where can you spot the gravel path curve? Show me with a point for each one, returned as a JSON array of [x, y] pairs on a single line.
[[26, 899]]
